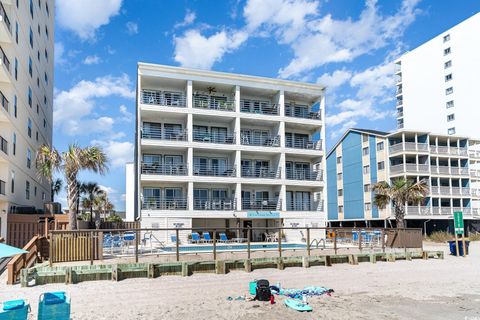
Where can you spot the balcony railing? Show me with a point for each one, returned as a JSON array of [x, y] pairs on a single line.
[[258, 107], [462, 151], [262, 172], [164, 98], [474, 154], [3, 145], [158, 134], [179, 169], [214, 137], [302, 144], [302, 113], [213, 103], [213, 204], [5, 18], [304, 206], [261, 204], [309, 175], [255, 140], [4, 101], [4, 59], [214, 171], [417, 210], [2, 187], [156, 203], [475, 173]]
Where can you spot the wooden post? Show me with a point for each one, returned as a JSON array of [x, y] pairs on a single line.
[[50, 251], [335, 240], [280, 242], [456, 245], [383, 240], [464, 247], [404, 232], [214, 245], [308, 242], [360, 240], [91, 247], [177, 244], [249, 233], [136, 246]]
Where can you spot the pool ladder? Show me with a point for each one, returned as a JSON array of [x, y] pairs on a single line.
[[316, 243]]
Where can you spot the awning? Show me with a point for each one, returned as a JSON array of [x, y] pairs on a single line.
[[9, 251]]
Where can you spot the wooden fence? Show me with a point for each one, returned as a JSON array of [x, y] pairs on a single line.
[[37, 248], [21, 228], [404, 238], [120, 225], [76, 246]]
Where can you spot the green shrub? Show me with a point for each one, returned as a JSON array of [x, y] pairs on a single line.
[[440, 236], [114, 218]]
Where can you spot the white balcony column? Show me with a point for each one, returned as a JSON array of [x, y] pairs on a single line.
[[189, 94], [238, 131], [190, 161], [416, 141], [417, 157], [283, 197], [190, 196], [450, 185], [238, 163], [404, 161], [238, 196], [448, 145], [403, 141], [237, 98], [190, 127], [281, 164], [281, 102]]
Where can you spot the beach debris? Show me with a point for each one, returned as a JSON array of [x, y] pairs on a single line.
[[298, 305], [300, 293]]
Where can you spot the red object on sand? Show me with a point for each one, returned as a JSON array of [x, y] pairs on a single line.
[[272, 299]]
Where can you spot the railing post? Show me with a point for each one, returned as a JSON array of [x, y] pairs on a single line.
[[136, 246], [249, 234], [50, 251], [360, 240], [335, 240], [308, 242], [177, 244], [214, 244], [280, 242], [91, 247], [383, 240]]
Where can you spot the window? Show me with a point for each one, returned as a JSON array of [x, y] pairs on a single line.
[[447, 51], [340, 192], [30, 68], [451, 117], [35, 191], [30, 97], [46, 78], [12, 185], [368, 206], [16, 69], [46, 9], [16, 32], [366, 188], [450, 104], [381, 165], [448, 77], [380, 146], [339, 159], [38, 29], [38, 109], [29, 158], [46, 55], [448, 64], [36, 135], [451, 130], [365, 151], [366, 169], [446, 38], [339, 176], [45, 100], [27, 190], [364, 138], [15, 105], [14, 144], [340, 208], [44, 196], [449, 91], [31, 8], [29, 128], [31, 38], [46, 31], [38, 82], [44, 123]]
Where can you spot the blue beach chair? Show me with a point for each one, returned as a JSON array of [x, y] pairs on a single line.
[[54, 305], [14, 309], [196, 237], [223, 238], [206, 237]]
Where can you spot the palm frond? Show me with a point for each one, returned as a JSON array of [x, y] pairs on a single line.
[[47, 161]]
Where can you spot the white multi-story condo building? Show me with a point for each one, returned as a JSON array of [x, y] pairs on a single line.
[[226, 150], [449, 164], [437, 83], [26, 97]]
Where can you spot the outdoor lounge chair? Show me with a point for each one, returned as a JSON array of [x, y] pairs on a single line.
[[206, 237], [14, 309], [223, 238], [196, 237], [54, 305], [173, 238]]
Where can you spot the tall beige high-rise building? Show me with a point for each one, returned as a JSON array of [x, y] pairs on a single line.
[[26, 98]]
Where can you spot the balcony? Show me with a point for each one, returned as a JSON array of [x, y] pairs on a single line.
[[179, 169], [165, 134], [157, 203], [475, 173], [474, 154], [304, 206], [261, 204], [3, 101], [221, 138], [259, 107], [417, 210], [408, 146], [440, 149], [301, 112], [214, 204], [214, 171], [164, 98], [442, 170], [3, 145], [462, 151], [304, 175], [4, 60], [410, 168], [260, 172], [303, 144], [213, 103], [258, 140], [6, 26]]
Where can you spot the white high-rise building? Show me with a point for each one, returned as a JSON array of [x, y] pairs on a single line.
[[226, 150], [437, 83], [26, 96]]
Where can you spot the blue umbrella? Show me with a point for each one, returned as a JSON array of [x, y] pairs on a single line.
[[9, 251]]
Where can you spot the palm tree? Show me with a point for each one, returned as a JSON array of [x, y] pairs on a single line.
[[102, 204], [92, 190], [71, 162], [400, 192], [55, 186]]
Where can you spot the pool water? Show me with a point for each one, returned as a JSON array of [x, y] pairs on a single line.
[[230, 247]]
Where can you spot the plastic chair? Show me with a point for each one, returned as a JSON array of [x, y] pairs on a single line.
[[196, 237], [206, 237], [54, 305], [14, 309]]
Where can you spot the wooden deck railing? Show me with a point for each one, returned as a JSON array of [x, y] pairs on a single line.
[[76, 246], [36, 249]]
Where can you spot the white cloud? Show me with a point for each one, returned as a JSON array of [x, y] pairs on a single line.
[[126, 116], [59, 52], [86, 16], [377, 81], [118, 152], [194, 50], [132, 28], [334, 80], [73, 108], [92, 60], [107, 189], [190, 17]]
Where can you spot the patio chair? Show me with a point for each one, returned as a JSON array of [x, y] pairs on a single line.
[[206, 237], [173, 238], [196, 237], [223, 238], [54, 305], [14, 309]]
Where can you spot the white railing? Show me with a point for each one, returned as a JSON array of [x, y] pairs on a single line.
[[456, 191], [476, 211], [442, 149], [396, 168], [417, 210], [396, 148], [454, 170], [475, 173], [422, 146], [423, 168], [474, 154], [445, 190], [435, 190]]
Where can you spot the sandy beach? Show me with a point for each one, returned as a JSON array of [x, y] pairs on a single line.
[[418, 289]]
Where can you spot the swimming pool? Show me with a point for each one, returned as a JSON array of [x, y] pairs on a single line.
[[232, 247]]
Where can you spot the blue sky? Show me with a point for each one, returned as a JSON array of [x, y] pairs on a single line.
[[347, 45]]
